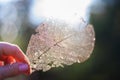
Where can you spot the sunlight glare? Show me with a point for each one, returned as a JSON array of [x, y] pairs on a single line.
[[67, 10]]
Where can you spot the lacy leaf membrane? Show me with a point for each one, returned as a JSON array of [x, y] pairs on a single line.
[[58, 43]]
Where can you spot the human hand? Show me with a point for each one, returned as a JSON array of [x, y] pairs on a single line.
[[12, 61]]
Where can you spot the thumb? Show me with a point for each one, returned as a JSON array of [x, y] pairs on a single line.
[[12, 70]]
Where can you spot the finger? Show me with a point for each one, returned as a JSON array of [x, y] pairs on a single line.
[[9, 60], [12, 70], [8, 49], [1, 63], [21, 57]]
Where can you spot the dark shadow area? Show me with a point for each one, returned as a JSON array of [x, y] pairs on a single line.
[[39, 75]]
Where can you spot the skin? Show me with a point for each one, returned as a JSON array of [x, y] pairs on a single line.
[[11, 57]]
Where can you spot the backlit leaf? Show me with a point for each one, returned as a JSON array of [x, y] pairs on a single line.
[[58, 43]]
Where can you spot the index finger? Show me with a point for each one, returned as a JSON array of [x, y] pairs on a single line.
[[7, 49]]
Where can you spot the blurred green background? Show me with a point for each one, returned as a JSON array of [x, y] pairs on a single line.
[[104, 63]]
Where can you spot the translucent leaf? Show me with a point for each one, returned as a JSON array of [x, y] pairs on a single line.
[[58, 43]]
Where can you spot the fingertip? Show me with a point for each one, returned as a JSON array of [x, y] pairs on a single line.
[[19, 55], [28, 71], [25, 68]]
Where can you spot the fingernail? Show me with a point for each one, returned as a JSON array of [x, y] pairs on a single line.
[[23, 67]]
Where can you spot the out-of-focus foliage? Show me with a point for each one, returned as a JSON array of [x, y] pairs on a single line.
[[104, 63]]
